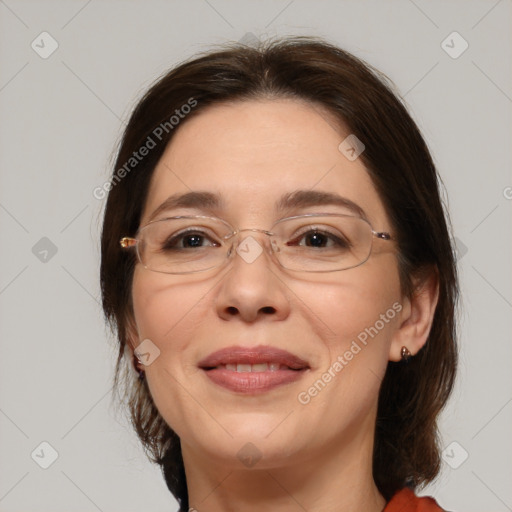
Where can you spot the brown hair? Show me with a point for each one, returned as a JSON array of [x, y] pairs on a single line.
[[406, 449]]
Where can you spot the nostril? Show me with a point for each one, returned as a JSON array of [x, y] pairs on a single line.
[[269, 310], [231, 310]]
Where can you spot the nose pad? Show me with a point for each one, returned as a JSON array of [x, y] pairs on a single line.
[[275, 247]]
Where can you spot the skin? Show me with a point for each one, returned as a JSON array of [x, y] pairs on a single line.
[[314, 457]]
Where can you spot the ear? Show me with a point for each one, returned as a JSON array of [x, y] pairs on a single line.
[[417, 315]]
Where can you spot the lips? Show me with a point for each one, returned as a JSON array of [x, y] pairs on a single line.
[[253, 370], [253, 356], [258, 367]]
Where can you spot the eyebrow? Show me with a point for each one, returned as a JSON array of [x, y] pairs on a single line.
[[298, 199], [198, 200]]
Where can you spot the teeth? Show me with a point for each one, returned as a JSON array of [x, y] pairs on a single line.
[[259, 367]]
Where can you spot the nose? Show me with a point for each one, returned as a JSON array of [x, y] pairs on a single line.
[[252, 289]]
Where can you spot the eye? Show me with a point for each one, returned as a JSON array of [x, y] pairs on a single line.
[[189, 239], [320, 239]]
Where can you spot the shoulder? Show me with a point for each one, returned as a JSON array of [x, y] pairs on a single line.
[[406, 501]]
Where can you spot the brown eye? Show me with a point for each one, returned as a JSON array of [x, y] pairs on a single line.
[[188, 240], [319, 239]]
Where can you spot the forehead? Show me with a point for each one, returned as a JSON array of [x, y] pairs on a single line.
[[252, 153]]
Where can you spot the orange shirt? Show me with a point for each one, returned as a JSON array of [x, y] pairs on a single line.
[[406, 501]]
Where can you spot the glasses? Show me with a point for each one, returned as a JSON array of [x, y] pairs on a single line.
[[323, 242]]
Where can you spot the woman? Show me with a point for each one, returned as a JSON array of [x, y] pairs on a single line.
[[277, 265]]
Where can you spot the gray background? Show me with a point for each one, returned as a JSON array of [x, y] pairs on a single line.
[[61, 117]]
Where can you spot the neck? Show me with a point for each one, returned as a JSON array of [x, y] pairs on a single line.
[[337, 480]]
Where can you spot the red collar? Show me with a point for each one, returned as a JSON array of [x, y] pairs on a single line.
[[406, 501]]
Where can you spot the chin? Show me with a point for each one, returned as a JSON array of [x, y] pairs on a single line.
[[250, 453], [249, 440]]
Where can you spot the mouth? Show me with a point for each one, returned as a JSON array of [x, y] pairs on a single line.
[[253, 370], [258, 367]]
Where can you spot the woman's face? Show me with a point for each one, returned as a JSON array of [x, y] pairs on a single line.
[[341, 325]]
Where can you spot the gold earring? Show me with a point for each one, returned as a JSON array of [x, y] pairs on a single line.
[[406, 355]]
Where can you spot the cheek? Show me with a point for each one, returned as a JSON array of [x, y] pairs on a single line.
[[164, 304], [361, 315], [169, 310], [359, 300], [166, 310]]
